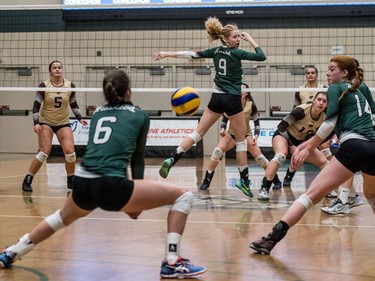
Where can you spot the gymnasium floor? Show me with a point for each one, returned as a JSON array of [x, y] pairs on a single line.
[[112, 247]]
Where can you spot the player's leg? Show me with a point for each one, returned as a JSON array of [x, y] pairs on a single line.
[[319, 160], [207, 120], [152, 194], [262, 161], [238, 125], [280, 147], [45, 142], [341, 204], [290, 172], [369, 190], [45, 229], [354, 199], [225, 144], [66, 140], [333, 175]]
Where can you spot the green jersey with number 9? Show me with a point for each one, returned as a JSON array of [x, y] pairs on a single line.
[[228, 66]]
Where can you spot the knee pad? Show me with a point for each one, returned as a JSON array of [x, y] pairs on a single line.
[[41, 156], [55, 221], [241, 146], [217, 154], [70, 157], [262, 161], [195, 136], [326, 152], [183, 203], [305, 201], [279, 158], [22, 247]]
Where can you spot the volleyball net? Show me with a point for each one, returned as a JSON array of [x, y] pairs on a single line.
[[92, 37]]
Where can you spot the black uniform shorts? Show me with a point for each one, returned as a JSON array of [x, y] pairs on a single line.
[[294, 141], [107, 193], [228, 103], [56, 128], [357, 155]]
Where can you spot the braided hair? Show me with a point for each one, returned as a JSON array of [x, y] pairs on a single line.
[[116, 85]]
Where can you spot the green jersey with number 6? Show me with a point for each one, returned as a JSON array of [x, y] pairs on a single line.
[[228, 66], [117, 136], [351, 113]]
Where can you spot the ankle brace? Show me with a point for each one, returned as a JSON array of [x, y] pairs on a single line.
[[244, 174], [176, 156], [172, 250], [266, 184], [22, 247], [278, 232]]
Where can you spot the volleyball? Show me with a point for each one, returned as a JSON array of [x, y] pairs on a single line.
[[185, 101]]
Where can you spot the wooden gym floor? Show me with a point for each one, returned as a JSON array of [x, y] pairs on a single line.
[[112, 247]]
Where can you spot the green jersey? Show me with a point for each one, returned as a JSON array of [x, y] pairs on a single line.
[[367, 93], [117, 136], [351, 114], [228, 66]]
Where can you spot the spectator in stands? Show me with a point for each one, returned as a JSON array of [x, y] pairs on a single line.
[[51, 116]]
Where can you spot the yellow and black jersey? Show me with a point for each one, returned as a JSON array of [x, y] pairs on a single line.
[[299, 124], [52, 106], [306, 96]]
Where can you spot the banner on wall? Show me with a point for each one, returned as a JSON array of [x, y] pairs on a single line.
[[162, 132], [80, 133], [267, 129], [169, 132]]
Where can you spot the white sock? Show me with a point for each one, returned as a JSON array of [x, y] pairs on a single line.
[[352, 192], [344, 194], [180, 150], [172, 250], [242, 168]]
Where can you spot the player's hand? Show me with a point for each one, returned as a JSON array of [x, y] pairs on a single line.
[[158, 56], [83, 122], [298, 157], [292, 148], [37, 128], [245, 36], [252, 141]]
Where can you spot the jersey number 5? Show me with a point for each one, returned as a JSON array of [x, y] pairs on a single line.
[[58, 102]]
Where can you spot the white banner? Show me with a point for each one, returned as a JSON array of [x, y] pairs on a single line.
[[169, 132], [162, 132]]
